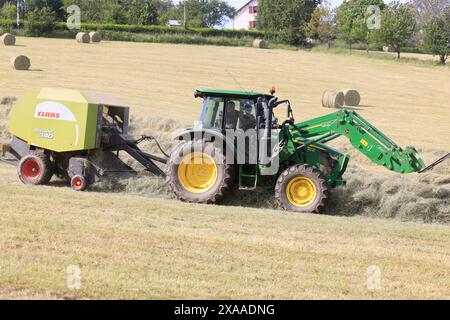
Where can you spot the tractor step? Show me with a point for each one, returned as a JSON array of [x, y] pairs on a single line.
[[247, 181]]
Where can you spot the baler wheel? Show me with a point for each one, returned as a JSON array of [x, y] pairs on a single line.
[[302, 188], [35, 168], [198, 172], [79, 183]]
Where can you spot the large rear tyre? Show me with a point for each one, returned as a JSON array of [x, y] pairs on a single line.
[[197, 172], [35, 169], [302, 188]]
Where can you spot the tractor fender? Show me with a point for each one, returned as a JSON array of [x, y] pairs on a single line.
[[207, 135]]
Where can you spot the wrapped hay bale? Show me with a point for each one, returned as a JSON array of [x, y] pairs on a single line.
[[333, 99], [352, 98], [260, 44], [8, 39], [83, 37], [95, 37], [20, 63]]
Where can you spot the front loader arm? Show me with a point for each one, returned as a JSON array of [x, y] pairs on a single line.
[[363, 136]]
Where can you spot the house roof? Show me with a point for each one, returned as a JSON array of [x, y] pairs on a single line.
[[243, 7]]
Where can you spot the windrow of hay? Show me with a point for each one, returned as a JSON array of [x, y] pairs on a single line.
[[8, 39], [95, 37], [20, 62], [83, 37], [333, 99], [352, 97], [260, 44], [5, 107]]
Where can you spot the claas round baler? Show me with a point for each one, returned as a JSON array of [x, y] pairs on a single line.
[[76, 135]]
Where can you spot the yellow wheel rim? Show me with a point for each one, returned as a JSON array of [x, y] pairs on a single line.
[[197, 172], [301, 192]]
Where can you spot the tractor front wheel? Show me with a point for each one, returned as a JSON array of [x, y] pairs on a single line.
[[35, 168], [197, 172], [302, 188]]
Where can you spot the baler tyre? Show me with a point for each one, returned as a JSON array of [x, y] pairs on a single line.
[[302, 189], [79, 183], [197, 172], [35, 169]]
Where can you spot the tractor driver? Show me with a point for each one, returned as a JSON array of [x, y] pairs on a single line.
[[246, 119], [231, 115]]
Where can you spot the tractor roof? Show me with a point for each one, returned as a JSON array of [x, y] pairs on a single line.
[[229, 93]]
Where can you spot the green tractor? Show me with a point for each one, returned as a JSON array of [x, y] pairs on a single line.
[[292, 158]]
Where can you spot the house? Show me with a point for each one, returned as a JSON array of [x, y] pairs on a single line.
[[174, 23], [245, 17]]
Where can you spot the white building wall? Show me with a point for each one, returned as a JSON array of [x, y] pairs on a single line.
[[243, 17]]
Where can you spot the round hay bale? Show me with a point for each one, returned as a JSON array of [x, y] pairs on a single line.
[[352, 97], [260, 44], [8, 39], [83, 37], [20, 63], [95, 36], [333, 99]]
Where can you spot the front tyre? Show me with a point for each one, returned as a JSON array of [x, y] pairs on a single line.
[[197, 172], [302, 188]]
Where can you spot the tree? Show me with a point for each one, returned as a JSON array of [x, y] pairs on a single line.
[[8, 11], [437, 37], [204, 13], [93, 10], [398, 26], [55, 6], [142, 12], [352, 17], [286, 19], [322, 25], [426, 10], [40, 20]]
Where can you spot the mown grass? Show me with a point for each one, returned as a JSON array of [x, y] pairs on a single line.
[[143, 248], [405, 57]]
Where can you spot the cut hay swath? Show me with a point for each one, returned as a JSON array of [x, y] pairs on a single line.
[[333, 99], [8, 39], [83, 37], [20, 62], [260, 44], [352, 97], [95, 37]]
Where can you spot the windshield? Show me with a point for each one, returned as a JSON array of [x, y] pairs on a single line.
[[212, 112]]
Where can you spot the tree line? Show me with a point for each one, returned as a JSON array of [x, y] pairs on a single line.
[[421, 24]]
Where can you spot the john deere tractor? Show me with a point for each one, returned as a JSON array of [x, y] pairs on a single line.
[[292, 158]]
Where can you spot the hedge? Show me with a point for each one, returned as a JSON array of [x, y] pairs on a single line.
[[161, 30]]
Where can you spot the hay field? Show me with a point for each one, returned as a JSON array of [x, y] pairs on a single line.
[[134, 241]]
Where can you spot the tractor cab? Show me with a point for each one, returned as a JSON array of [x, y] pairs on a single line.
[[233, 110]]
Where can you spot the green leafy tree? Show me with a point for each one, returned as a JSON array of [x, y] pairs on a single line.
[[352, 17], [204, 13], [398, 26], [115, 14], [142, 12], [322, 25], [8, 11], [39, 21], [54, 6], [93, 10], [286, 20], [437, 37]]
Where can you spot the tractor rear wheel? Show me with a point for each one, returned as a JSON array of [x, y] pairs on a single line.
[[302, 188], [35, 168], [197, 172]]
